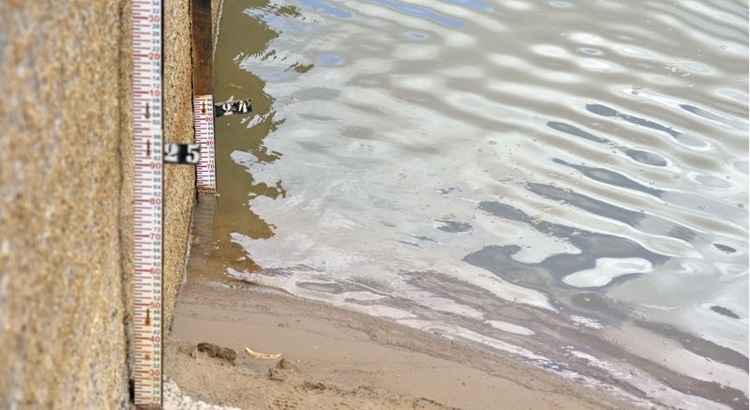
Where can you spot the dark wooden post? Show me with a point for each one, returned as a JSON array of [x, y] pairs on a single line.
[[202, 47]]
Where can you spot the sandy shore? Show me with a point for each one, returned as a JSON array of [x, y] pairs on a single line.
[[336, 359]]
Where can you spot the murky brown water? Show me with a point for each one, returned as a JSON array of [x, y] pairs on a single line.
[[561, 181]]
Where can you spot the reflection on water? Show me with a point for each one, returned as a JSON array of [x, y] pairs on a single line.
[[561, 181]]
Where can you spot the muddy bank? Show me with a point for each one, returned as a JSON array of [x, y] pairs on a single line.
[[335, 358]]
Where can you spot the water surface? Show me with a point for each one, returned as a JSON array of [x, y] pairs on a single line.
[[563, 182]]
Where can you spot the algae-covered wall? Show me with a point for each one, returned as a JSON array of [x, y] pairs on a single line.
[[66, 196]]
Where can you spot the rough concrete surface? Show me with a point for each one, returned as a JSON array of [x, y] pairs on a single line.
[[66, 192]]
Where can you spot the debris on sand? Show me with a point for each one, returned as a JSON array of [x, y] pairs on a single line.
[[285, 365], [175, 399], [258, 355], [189, 350], [314, 385], [218, 352], [281, 371]]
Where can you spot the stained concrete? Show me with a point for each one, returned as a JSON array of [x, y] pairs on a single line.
[[66, 197]]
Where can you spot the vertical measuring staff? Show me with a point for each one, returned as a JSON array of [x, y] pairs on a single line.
[[148, 180], [203, 117], [203, 99]]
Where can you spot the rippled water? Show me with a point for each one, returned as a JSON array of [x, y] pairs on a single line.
[[560, 181]]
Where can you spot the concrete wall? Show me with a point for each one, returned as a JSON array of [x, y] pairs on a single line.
[[66, 193]]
